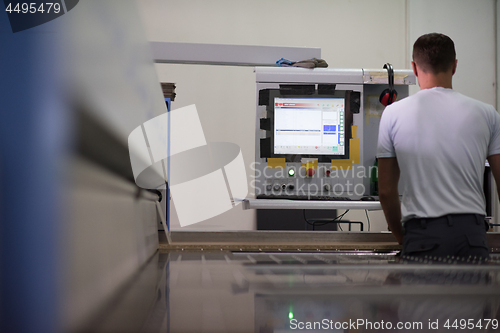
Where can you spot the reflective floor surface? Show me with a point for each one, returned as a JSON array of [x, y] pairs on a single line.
[[307, 292]]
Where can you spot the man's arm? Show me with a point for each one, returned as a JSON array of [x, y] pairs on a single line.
[[494, 161], [388, 179]]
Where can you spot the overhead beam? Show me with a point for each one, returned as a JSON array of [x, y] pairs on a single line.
[[230, 55]]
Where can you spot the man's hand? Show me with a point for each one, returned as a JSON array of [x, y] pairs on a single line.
[[388, 179]]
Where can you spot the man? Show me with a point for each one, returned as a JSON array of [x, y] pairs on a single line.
[[436, 141]]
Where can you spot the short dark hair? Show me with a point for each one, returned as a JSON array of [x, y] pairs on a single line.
[[434, 53]]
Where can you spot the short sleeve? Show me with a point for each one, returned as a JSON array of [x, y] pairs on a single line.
[[385, 147], [494, 146]]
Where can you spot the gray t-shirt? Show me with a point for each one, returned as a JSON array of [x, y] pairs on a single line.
[[441, 140]]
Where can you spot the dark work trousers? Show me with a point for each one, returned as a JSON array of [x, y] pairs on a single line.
[[458, 235]]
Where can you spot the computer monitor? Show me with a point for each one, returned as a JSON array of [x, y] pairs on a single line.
[[309, 126]]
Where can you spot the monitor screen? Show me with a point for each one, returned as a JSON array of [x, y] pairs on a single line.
[[309, 126]]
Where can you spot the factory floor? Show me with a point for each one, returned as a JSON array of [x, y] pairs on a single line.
[[307, 291]]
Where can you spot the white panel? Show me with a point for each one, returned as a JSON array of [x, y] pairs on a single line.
[[245, 55], [316, 75], [290, 204]]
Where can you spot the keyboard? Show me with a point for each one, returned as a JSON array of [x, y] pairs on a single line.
[[302, 197]]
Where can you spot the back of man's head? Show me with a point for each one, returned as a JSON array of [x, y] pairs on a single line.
[[434, 53]]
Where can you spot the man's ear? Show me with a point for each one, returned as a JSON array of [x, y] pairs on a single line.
[[454, 68], [414, 67]]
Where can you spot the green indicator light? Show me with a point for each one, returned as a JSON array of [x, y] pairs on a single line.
[[291, 172], [290, 315]]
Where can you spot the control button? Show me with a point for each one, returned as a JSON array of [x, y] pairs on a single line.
[[276, 187], [328, 172], [291, 187], [326, 187], [310, 172], [283, 187], [269, 187]]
